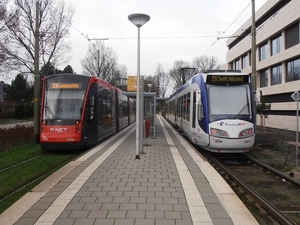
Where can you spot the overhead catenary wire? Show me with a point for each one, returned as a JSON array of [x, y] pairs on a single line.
[[219, 37], [81, 33], [86, 36], [169, 37]]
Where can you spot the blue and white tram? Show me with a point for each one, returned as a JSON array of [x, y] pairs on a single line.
[[215, 111]]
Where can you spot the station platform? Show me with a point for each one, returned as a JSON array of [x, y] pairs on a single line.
[[169, 185]]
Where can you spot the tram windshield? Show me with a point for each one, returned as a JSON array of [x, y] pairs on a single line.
[[229, 102], [63, 102]]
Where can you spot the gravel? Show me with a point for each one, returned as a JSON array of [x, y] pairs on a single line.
[[277, 148]]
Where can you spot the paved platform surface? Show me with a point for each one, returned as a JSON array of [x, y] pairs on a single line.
[[169, 185]]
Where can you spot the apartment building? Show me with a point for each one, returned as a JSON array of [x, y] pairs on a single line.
[[277, 58]]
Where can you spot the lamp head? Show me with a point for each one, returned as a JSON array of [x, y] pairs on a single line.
[[139, 19]]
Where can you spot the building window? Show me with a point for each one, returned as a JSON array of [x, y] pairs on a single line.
[[276, 45], [293, 70], [237, 65], [292, 36], [244, 61], [264, 78], [263, 51], [276, 75], [250, 58]]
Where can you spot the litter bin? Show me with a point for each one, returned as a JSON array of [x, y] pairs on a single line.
[[147, 128]]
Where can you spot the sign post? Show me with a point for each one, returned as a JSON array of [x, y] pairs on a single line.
[[295, 96]]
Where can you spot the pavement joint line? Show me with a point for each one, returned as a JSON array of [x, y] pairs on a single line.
[[198, 212], [55, 209]]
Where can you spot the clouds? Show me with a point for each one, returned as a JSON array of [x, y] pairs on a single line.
[[177, 30]]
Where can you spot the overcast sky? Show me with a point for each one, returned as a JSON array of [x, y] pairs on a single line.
[[177, 30]]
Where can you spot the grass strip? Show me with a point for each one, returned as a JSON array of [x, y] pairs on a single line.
[[19, 154], [16, 177]]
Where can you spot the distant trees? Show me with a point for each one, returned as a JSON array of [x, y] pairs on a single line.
[[162, 80], [2, 21], [159, 81], [49, 69], [102, 62], [182, 71], [21, 92], [68, 69], [17, 36], [205, 63]]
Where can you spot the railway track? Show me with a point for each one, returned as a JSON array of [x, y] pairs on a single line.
[[19, 163], [275, 195]]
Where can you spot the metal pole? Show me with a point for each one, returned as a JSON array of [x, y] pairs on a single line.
[[253, 51], [138, 100], [154, 117], [37, 82], [142, 117], [138, 20], [297, 130]]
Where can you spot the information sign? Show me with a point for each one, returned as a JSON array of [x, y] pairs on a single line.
[[131, 83]]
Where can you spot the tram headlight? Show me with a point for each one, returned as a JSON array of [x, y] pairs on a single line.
[[77, 126], [218, 133], [42, 126], [246, 133]]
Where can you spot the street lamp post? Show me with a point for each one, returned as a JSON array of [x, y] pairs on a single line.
[[149, 86], [138, 20]]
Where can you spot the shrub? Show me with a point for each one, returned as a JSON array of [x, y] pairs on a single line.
[[15, 136]]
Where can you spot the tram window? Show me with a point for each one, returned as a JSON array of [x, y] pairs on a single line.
[[100, 109], [183, 107], [231, 102], [63, 104], [92, 106], [187, 106], [194, 110], [179, 107]]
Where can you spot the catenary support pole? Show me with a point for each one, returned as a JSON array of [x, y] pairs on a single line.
[[37, 81]]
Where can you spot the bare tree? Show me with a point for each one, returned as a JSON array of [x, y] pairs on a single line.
[[117, 76], [205, 63], [102, 61], [2, 13], [181, 73], [263, 109], [162, 80], [120, 77], [17, 41], [2, 21]]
